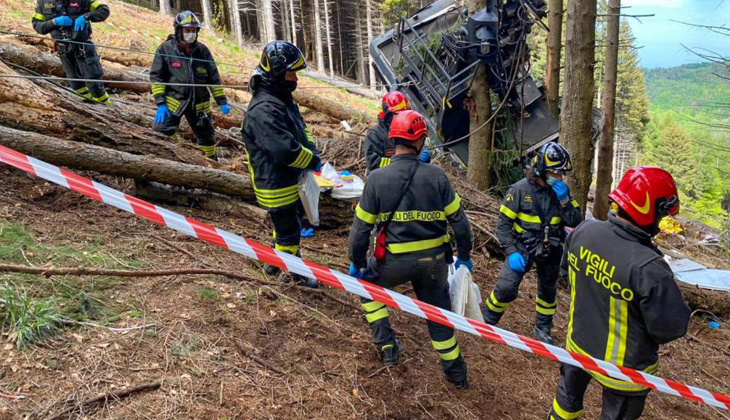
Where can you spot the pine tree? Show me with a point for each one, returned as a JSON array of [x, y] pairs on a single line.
[[676, 153]]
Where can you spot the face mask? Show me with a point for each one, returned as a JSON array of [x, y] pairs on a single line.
[[551, 181], [190, 37], [290, 86]]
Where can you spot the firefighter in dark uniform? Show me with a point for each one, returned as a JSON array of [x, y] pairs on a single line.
[[278, 145], [530, 229], [183, 59], [624, 301], [70, 20], [410, 203], [379, 148]]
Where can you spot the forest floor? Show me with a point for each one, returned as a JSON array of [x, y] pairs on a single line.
[[315, 359]]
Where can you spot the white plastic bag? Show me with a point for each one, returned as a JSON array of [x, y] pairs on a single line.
[[465, 295], [309, 194], [350, 190]]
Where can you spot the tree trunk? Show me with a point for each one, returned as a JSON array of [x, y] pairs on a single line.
[[554, 47], [285, 20], [113, 162], [165, 8], [293, 22], [318, 37], [369, 16], [329, 39], [605, 148], [478, 172], [236, 13], [575, 117], [208, 15], [361, 76], [269, 23]]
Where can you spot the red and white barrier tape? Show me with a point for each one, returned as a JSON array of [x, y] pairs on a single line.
[[342, 281]]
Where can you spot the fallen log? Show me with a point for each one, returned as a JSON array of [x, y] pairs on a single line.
[[113, 162], [713, 301]]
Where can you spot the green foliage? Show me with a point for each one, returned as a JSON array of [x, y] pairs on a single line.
[[394, 10], [208, 294], [24, 320]]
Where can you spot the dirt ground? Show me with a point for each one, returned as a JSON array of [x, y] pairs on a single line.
[[327, 367]]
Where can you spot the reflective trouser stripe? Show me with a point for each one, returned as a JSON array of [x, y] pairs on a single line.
[[617, 331], [103, 98], [384, 162], [452, 355], [546, 308], [207, 150], [289, 249], [565, 414], [444, 345], [496, 306], [277, 198], [607, 381], [375, 311], [39, 16]]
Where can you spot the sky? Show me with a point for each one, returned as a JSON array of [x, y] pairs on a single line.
[[661, 38]]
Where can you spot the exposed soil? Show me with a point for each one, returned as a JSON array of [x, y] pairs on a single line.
[[323, 347]]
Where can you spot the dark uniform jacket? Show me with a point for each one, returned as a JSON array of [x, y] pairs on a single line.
[[173, 64], [47, 10], [624, 300], [520, 228], [278, 146], [379, 149], [420, 221]]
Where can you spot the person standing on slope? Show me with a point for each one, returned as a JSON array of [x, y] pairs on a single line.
[[411, 204], [530, 229], [624, 301]]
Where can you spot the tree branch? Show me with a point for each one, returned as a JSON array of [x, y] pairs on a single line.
[[104, 398]]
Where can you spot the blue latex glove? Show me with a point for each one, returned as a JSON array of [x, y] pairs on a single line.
[[63, 21], [354, 272], [162, 114], [225, 109], [345, 173], [307, 233], [516, 262], [425, 156], [561, 190], [80, 23], [468, 264]]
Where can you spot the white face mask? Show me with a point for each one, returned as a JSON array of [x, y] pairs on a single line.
[[190, 37]]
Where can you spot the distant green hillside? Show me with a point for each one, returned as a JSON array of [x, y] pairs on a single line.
[[690, 89]]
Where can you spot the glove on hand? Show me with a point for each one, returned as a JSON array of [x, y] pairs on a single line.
[[561, 190], [425, 156], [307, 233], [468, 264], [225, 109], [80, 23], [354, 272], [63, 21], [162, 114], [516, 262], [316, 163]]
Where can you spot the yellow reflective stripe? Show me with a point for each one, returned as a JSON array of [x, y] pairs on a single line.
[[309, 135], [103, 98], [556, 220], [617, 331], [377, 315], [172, 103], [546, 304], [281, 192], [207, 150], [444, 345], [518, 228], [414, 216], [452, 355], [571, 280], [217, 91], [495, 305], [203, 106], [365, 216], [387, 346], [565, 414], [278, 202], [39, 16], [454, 206], [607, 381], [289, 249], [527, 218], [405, 247], [507, 212], [575, 204], [371, 306], [303, 159], [384, 162], [158, 89], [545, 311], [82, 90], [95, 5]]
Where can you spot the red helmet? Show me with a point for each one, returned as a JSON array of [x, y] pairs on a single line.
[[408, 125], [394, 102], [647, 195]]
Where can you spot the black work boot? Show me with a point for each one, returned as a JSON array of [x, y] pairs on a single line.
[[462, 384], [389, 354], [305, 281], [542, 334], [271, 270], [491, 317]]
